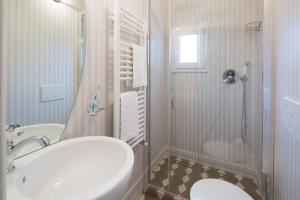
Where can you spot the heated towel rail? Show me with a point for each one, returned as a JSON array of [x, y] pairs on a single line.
[[128, 30]]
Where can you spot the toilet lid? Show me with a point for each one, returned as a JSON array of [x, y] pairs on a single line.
[[215, 189]]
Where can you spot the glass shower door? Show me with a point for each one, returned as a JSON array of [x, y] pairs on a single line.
[[216, 79]]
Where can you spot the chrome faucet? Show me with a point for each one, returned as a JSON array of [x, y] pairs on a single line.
[[12, 127], [12, 149]]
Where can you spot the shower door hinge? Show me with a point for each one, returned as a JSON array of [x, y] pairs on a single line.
[[172, 102]]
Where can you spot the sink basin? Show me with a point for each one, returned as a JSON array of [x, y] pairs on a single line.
[[52, 131], [85, 168]]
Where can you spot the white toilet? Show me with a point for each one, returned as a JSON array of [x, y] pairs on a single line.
[[215, 189]]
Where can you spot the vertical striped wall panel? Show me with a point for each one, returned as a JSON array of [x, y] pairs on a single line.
[[2, 113], [97, 75], [99, 72], [206, 110], [287, 158], [159, 78], [41, 48], [268, 91], [140, 9]]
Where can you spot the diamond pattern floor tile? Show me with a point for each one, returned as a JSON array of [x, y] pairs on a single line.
[[185, 173]]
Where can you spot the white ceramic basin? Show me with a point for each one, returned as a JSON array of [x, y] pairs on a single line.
[[85, 168], [52, 131]]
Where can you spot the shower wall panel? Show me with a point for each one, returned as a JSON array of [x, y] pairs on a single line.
[[287, 137]]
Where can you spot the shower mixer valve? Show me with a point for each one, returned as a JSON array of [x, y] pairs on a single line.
[[230, 76]]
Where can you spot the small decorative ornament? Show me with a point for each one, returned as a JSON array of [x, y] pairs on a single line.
[[93, 107]]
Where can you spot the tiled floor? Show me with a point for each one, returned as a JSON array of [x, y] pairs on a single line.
[[185, 173]]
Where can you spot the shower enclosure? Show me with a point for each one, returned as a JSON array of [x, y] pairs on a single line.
[[215, 66]]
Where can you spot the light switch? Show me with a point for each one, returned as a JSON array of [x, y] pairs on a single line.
[[51, 92]]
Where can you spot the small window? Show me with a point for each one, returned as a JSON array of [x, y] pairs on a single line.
[[189, 52], [188, 49]]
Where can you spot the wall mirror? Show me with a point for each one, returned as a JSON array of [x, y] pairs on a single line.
[[44, 51]]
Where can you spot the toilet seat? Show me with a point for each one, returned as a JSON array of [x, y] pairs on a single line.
[[215, 189]]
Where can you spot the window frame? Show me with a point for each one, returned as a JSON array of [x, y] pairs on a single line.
[[200, 65]]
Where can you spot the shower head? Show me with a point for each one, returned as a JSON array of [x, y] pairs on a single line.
[[57, 1], [244, 75]]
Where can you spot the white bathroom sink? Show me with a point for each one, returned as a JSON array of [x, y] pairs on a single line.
[[51, 131], [85, 168]]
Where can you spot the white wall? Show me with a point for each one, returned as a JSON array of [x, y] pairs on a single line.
[[206, 110], [287, 142], [42, 41]]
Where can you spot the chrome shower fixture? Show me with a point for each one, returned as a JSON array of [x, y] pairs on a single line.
[[230, 76], [244, 78], [244, 75], [254, 26]]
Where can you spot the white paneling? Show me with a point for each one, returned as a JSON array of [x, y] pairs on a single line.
[[206, 110], [41, 48], [287, 159]]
